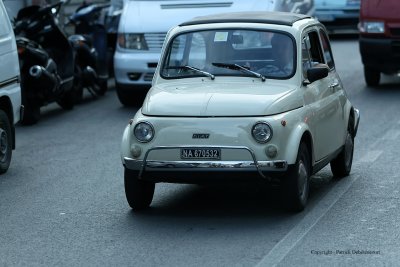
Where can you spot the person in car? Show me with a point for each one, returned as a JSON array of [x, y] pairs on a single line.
[[282, 55]]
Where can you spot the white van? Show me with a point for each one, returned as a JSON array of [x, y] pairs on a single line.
[[144, 25], [10, 90]]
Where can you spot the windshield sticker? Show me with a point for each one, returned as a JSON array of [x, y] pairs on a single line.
[[221, 37]]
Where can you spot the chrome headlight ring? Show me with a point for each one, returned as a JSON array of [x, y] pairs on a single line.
[[143, 131], [262, 132]]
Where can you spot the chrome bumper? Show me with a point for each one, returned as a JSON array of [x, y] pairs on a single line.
[[204, 165]]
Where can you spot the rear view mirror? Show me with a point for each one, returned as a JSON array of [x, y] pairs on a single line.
[[317, 73]]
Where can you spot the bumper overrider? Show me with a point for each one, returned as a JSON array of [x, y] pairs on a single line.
[[263, 168]]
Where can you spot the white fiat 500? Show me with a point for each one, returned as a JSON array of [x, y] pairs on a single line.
[[250, 95]]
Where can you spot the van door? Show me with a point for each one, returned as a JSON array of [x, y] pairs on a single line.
[[9, 68]]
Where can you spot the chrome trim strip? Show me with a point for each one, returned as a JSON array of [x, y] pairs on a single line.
[[13, 80], [357, 113], [259, 166]]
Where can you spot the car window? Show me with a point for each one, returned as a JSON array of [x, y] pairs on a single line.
[[311, 52], [228, 52], [327, 49]]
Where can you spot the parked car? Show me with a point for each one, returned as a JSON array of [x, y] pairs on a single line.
[[379, 39], [10, 90], [140, 35], [338, 15], [227, 100]]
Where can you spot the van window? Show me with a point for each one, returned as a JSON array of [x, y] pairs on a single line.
[[4, 24]]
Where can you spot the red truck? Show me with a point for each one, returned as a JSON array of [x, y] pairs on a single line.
[[379, 38]]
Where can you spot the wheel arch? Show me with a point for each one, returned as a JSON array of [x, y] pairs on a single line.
[[6, 106]]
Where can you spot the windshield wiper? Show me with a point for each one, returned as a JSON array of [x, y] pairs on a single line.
[[212, 77], [240, 68]]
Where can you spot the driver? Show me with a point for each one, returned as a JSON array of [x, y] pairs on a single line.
[[282, 55]]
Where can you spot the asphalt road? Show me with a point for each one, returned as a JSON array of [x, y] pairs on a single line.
[[62, 202]]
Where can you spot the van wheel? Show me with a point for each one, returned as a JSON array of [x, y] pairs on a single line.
[[297, 184], [5, 142], [139, 193], [126, 98], [341, 165], [372, 76]]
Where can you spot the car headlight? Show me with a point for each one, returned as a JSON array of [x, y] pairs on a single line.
[[132, 41], [143, 132], [372, 27], [262, 132]]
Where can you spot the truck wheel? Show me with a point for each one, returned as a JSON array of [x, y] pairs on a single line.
[[341, 165], [139, 193], [372, 76], [297, 185], [5, 142]]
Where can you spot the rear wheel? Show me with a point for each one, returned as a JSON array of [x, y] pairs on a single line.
[[5, 142], [341, 165], [372, 76], [297, 184], [139, 193]]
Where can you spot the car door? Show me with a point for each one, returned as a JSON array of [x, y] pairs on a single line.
[[320, 98]]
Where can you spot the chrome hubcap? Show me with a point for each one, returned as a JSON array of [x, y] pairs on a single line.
[[302, 177], [3, 144]]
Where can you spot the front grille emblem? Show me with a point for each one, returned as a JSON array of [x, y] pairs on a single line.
[[200, 136]]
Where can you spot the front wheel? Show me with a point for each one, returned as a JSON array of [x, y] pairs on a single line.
[[139, 193], [341, 165], [5, 142], [297, 184], [372, 76]]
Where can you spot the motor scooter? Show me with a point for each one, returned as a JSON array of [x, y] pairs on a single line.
[[46, 58], [90, 43]]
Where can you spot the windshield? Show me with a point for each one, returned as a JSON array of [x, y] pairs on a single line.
[[230, 52]]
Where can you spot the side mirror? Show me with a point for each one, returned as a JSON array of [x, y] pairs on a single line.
[[317, 73]]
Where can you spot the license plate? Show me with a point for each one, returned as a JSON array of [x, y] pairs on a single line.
[[325, 17], [201, 153]]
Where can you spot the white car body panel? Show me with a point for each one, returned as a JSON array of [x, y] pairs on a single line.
[[9, 68]]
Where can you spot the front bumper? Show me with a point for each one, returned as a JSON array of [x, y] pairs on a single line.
[[382, 54], [262, 168], [135, 68]]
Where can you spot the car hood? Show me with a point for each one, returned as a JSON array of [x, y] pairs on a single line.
[[160, 16], [220, 99]]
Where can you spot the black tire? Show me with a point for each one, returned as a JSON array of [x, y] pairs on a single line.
[[139, 193], [68, 100], [103, 86], [372, 76], [297, 185], [5, 142], [31, 114], [78, 85], [126, 98], [341, 165]]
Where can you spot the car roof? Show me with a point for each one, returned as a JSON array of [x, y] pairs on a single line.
[[266, 17]]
